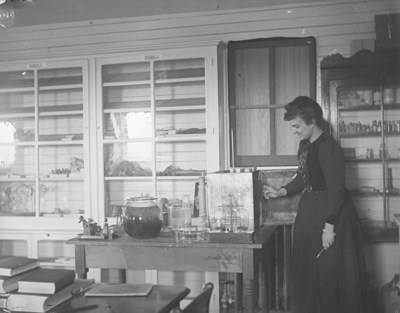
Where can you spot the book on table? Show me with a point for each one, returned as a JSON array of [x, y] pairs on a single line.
[[10, 283], [16, 265], [3, 300], [119, 290], [41, 303], [46, 281]]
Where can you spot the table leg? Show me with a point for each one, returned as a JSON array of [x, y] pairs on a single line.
[[248, 281], [238, 292], [286, 266], [80, 262], [271, 274], [263, 293]]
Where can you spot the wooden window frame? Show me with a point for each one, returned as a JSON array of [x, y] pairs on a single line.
[[233, 46]]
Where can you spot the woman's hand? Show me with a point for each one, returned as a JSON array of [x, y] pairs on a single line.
[[271, 192], [328, 236]]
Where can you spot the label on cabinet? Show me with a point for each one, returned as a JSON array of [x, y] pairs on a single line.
[[152, 57], [33, 66]]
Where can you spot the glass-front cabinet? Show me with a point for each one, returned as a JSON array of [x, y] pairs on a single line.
[[81, 135], [162, 123], [43, 127], [363, 94]]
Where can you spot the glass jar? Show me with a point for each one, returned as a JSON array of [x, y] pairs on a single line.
[[142, 218], [179, 213]]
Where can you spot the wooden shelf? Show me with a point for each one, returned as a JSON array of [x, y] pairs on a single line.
[[150, 178], [65, 178], [367, 135], [162, 105], [44, 84], [395, 106], [17, 179], [373, 193], [43, 111], [123, 178], [179, 137], [371, 160]]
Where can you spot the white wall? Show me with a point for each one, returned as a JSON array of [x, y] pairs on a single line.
[[334, 24]]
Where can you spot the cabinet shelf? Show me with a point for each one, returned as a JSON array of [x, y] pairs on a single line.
[[142, 178], [64, 178], [373, 193], [179, 137], [157, 81], [367, 135], [375, 160], [43, 111], [17, 89], [46, 84], [162, 105], [16, 179], [162, 138], [59, 87], [394, 106], [188, 177]]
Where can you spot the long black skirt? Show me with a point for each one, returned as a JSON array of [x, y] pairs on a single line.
[[336, 281]]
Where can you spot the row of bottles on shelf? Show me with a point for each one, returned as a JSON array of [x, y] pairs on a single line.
[[367, 96], [382, 153], [376, 127]]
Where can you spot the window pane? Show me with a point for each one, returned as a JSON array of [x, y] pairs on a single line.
[[292, 65], [252, 77], [252, 132]]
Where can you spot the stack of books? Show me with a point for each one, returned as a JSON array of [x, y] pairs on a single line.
[[26, 287], [11, 271]]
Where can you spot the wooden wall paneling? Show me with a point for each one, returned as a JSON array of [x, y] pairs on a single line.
[[302, 18]]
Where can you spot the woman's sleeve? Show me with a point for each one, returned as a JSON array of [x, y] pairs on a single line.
[[332, 163], [295, 186]]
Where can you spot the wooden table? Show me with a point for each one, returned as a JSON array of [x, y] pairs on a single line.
[[162, 299], [163, 253]]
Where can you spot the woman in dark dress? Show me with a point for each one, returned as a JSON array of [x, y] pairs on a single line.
[[333, 281]]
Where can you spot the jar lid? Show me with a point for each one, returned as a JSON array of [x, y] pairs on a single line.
[[141, 199]]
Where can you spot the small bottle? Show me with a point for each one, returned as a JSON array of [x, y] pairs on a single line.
[[388, 95], [342, 127], [374, 127], [391, 127], [368, 128], [377, 97], [358, 127], [379, 128], [398, 126]]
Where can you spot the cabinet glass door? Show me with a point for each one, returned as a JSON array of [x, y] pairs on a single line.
[[369, 131], [154, 129], [43, 119]]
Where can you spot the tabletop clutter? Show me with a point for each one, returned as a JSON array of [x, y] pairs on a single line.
[[227, 206], [222, 207], [27, 287]]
